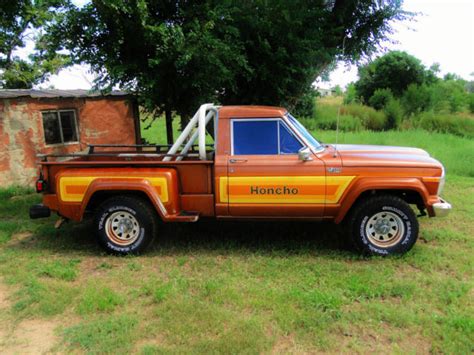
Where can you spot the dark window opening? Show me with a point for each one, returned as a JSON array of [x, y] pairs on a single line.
[[60, 127]]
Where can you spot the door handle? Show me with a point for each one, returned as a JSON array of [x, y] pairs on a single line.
[[233, 161]]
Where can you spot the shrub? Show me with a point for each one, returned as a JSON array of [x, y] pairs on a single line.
[[445, 123], [369, 117], [351, 94], [416, 98], [306, 105], [393, 112], [448, 96], [380, 98], [470, 102], [347, 123]]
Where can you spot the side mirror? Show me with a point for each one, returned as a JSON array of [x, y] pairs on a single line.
[[304, 154]]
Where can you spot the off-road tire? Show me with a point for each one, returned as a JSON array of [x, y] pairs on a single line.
[[139, 218], [400, 223]]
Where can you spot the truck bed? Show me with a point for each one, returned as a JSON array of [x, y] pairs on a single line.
[[194, 176]]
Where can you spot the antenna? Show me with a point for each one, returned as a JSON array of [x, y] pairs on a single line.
[[339, 108]]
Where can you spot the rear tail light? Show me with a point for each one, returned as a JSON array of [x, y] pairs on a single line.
[[40, 185]]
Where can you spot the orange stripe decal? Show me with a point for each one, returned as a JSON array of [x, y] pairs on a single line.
[[73, 188], [283, 189]]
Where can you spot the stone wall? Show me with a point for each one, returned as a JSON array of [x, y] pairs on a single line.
[[99, 120]]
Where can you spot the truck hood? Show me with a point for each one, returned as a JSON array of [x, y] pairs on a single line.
[[381, 155]]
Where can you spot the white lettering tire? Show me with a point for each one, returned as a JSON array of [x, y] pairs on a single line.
[[383, 225], [125, 225]]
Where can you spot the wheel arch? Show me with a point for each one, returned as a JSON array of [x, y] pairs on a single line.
[[101, 189], [412, 191]]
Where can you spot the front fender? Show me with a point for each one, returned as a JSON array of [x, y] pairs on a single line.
[[367, 184]]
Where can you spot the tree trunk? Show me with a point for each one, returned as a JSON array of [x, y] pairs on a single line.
[[169, 127]]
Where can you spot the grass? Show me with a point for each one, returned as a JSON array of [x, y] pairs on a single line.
[[225, 287]]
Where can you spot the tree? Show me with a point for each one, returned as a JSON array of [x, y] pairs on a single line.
[[395, 71], [20, 22], [179, 54]]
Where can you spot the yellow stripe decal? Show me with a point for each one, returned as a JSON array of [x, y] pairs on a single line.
[[73, 188], [283, 189]]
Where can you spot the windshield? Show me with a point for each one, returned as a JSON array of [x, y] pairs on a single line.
[[304, 132]]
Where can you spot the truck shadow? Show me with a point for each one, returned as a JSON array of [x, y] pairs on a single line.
[[229, 237], [218, 237]]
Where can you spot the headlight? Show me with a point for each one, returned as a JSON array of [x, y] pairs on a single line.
[[442, 180]]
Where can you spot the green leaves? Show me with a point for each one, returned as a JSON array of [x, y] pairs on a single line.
[[176, 55], [22, 21]]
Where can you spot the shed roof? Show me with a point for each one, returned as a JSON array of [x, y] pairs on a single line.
[[53, 93]]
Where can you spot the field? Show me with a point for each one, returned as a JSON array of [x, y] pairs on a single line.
[[221, 287]]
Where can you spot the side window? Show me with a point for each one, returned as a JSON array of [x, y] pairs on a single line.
[[288, 142], [255, 137]]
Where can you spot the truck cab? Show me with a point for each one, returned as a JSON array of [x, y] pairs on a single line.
[[262, 164]]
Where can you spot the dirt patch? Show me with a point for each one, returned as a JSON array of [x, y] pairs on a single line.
[[4, 297], [284, 345], [156, 342], [31, 336], [20, 238], [385, 339]]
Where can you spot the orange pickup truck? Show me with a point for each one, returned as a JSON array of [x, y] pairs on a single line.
[[262, 164]]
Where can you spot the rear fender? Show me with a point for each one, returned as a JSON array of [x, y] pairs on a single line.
[[141, 185], [362, 185]]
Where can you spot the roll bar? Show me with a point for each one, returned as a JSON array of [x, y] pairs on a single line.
[[200, 119]]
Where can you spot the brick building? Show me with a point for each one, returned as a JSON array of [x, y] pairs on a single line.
[[59, 121]]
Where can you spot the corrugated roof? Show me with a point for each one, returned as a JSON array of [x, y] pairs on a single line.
[[52, 93]]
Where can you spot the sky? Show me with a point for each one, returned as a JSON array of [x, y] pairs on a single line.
[[443, 33]]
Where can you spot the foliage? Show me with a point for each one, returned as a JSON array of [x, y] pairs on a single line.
[[394, 114], [470, 100], [350, 94], [444, 123], [370, 118], [180, 54], [380, 98], [417, 98], [448, 95], [395, 71], [352, 117], [20, 21], [305, 106], [337, 90]]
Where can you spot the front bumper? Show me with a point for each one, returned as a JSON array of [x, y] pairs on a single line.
[[441, 208]]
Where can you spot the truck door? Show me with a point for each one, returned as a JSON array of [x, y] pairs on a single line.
[[265, 175]]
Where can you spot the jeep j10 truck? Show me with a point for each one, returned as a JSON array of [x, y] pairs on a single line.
[[262, 164]]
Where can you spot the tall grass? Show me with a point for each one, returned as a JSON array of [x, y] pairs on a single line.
[[356, 117]]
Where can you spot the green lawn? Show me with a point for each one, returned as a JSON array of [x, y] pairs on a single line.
[[220, 287]]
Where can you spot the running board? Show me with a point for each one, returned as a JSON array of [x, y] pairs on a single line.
[[184, 216]]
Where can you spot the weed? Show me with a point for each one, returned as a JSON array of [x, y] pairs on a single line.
[[112, 334], [96, 298]]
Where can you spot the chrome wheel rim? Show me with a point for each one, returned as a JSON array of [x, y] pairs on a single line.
[[122, 228], [385, 229]]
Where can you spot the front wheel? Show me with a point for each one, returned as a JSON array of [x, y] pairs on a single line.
[[383, 225], [125, 225]]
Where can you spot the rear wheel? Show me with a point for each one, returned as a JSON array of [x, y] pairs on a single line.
[[125, 225], [383, 225]]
